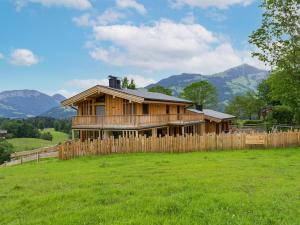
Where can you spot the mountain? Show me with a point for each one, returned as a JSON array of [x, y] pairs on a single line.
[[59, 113], [59, 98], [237, 80], [27, 103]]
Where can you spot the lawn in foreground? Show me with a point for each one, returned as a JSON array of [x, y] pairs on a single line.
[[242, 187], [24, 144]]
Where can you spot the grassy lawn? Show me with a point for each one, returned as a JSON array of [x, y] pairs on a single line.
[[243, 187], [24, 144]]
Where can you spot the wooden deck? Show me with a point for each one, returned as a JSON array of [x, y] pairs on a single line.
[[134, 121]]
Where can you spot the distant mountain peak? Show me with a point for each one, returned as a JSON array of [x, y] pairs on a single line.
[[236, 80], [242, 70], [58, 97]]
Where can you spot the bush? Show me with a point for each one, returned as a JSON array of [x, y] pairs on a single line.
[[5, 151], [282, 114], [46, 136]]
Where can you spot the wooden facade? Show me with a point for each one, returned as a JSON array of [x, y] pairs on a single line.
[[102, 113]]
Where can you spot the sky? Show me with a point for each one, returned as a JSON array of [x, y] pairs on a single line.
[[66, 46]]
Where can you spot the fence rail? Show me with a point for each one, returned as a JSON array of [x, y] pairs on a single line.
[[33, 155], [187, 143]]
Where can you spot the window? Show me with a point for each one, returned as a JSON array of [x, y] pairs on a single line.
[[100, 99], [178, 109], [145, 108], [129, 108], [167, 109]]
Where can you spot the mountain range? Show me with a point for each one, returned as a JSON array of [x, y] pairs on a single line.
[[30, 103], [233, 81]]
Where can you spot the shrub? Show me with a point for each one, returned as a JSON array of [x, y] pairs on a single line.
[[46, 136], [5, 151]]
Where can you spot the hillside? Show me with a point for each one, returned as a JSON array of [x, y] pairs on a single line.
[[231, 82], [24, 144], [232, 187], [26, 103], [59, 113]]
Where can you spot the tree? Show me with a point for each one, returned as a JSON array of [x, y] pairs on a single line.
[[278, 38], [128, 85], [57, 126], [41, 125], [203, 93], [125, 82], [278, 44], [282, 114], [5, 151], [244, 106], [160, 89], [284, 89], [131, 85]]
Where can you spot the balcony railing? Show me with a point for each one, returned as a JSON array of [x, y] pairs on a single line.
[[134, 121]]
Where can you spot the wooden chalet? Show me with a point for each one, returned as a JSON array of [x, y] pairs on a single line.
[[112, 111], [217, 122]]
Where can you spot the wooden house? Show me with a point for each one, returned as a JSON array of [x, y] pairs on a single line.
[[112, 111], [217, 122]]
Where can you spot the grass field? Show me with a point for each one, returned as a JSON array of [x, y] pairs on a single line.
[[24, 144], [243, 187]]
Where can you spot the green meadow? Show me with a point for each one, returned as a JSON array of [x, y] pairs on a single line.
[[232, 187], [24, 144]]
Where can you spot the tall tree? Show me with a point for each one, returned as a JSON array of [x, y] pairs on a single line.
[[244, 106], [132, 85], [202, 93], [278, 44], [160, 89], [278, 38], [125, 82]]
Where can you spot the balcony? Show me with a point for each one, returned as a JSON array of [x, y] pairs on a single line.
[[134, 121]]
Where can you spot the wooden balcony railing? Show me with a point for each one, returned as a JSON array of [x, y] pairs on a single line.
[[133, 121]]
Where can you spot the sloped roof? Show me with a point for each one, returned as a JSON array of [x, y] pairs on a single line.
[[195, 111], [214, 115], [153, 95], [133, 95], [217, 115]]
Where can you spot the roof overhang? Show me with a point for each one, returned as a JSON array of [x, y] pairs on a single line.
[[217, 120], [97, 90]]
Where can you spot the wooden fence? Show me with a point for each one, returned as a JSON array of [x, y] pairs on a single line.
[[32, 155], [187, 143]]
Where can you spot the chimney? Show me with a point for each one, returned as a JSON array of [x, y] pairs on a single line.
[[199, 107], [114, 82]]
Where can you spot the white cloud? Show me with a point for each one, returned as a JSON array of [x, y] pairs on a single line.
[[166, 45], [84, 84], [65, 93], [83, 21], [75, 4], [221, 4], [1, 56], [23, 57], [131, 4], [109, 16], [141, 81]]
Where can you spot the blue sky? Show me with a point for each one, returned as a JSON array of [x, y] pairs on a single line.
[[66, 46]]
